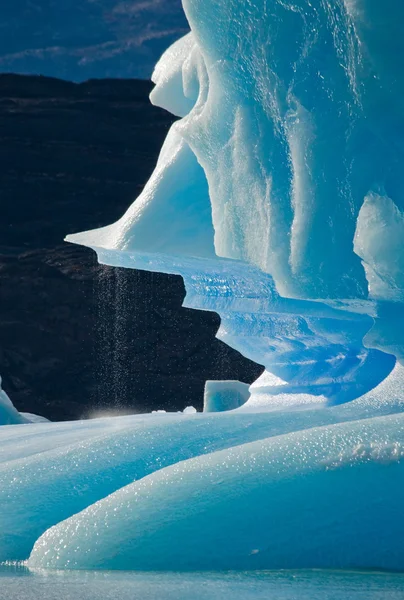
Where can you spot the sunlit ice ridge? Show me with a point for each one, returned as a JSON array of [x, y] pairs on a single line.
[[278, 198]]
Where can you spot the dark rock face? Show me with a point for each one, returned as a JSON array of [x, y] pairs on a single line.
[[77, 337]]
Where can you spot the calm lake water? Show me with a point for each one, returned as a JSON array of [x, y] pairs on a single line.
[[19, 583]]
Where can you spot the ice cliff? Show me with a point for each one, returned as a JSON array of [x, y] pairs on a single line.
[[278, 198]]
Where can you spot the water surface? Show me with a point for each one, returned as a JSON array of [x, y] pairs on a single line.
[[19, 583]]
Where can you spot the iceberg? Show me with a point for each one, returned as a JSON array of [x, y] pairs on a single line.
[[8, 414], [278, 198], [221, 396], [270, 196]]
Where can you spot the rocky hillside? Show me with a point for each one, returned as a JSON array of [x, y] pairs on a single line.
[[77, 337]]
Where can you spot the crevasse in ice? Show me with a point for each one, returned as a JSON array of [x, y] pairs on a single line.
[[278, 198]]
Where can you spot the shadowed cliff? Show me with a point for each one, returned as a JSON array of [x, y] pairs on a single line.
[[77, 337]]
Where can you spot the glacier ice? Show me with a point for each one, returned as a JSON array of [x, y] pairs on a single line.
[[278, 197]]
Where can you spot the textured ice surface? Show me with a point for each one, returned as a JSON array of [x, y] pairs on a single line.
[[52, 471], [278, 198], [324, 497]]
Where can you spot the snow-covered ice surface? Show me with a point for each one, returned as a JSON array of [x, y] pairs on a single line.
[[278, 198]]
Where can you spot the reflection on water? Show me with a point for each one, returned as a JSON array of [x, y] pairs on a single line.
[[19, 583]]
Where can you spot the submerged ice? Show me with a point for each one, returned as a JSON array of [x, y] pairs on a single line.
[[278, 197]]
